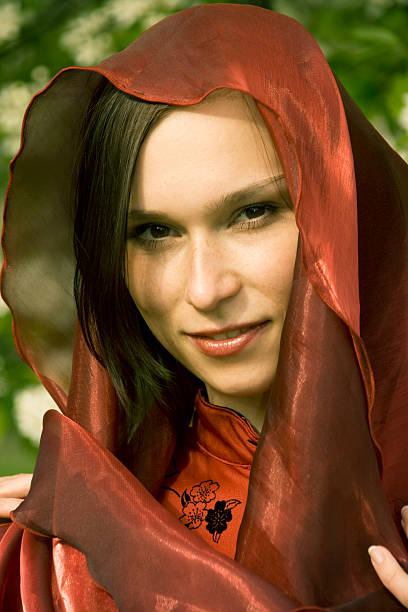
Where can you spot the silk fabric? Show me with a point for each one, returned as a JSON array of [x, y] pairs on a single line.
[[330, 473]]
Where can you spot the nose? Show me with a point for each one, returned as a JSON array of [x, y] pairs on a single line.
[[212, 275]]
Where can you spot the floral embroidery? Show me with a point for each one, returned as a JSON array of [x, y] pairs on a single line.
[[195, 510], [205, 491], [218, 518], [193, 514]]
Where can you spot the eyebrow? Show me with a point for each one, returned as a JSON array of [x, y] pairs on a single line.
[[245, 193]]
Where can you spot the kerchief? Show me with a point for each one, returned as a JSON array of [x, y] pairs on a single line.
[[330, 473]]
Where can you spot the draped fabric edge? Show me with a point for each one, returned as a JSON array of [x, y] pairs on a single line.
[[359, 347]]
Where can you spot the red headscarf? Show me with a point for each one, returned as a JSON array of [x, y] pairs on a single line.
[[331, 470]]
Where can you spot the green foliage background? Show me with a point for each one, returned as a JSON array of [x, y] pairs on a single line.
[[365, 42]]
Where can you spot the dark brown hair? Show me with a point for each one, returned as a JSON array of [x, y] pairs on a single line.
[[140, 368]]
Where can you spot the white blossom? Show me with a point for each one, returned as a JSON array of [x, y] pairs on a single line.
[[403, 115], [174, 4], [11, 19], [152, 18], [85, 38], [381, 124], [14, 99], [88, 38], [30, 405], [40, 75], [4, 309], [91, 50], [126, 12]]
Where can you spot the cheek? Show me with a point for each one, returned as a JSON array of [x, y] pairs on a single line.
[[271, 265], [151, 286], [285, 269]]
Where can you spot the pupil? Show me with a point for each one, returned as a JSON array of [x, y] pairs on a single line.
[[255, 211], [158, 231]]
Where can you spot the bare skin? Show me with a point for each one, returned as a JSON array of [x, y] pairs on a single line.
[[217, 231], [13, 489]]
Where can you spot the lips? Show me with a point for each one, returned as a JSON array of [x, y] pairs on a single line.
[[229, 334], [230, 329], [228, 341]]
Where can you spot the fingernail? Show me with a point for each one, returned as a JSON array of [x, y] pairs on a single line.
[[376, 554], [404, 513]]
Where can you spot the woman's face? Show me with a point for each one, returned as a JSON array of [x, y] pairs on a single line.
[[212, 244]]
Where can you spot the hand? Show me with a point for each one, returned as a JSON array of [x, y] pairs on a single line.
[[13, 489], [389, 570]]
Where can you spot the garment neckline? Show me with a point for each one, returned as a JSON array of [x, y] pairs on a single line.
[[223, 433]]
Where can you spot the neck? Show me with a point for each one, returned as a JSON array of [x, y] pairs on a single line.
[[253, 408]]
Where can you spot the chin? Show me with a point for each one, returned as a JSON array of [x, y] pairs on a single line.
[[241, 386]]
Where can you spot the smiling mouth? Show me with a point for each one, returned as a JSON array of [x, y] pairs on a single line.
[[230, 334], [228, 342]]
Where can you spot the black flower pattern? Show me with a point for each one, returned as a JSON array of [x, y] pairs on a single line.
[[219, 516], [195, 510]]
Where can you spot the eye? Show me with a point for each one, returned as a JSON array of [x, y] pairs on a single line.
[[151, 235], [256, 214], [253, 212], [147, 232], [150, 232]]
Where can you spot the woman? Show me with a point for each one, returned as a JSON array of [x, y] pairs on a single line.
[[266, 205]]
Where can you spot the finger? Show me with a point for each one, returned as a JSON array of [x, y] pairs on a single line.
[[404, 519], [390, 572], [17, 485], [7, 505]]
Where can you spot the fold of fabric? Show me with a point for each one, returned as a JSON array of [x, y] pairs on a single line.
[[123, 527], [330, 473]]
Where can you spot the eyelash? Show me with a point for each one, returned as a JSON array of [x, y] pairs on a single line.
[[155, 243]]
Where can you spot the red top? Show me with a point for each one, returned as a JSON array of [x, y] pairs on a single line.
[[206, 486]]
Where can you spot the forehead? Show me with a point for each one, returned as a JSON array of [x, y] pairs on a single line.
[[196, 153]]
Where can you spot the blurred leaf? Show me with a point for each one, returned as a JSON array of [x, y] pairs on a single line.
[[375, 35]]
